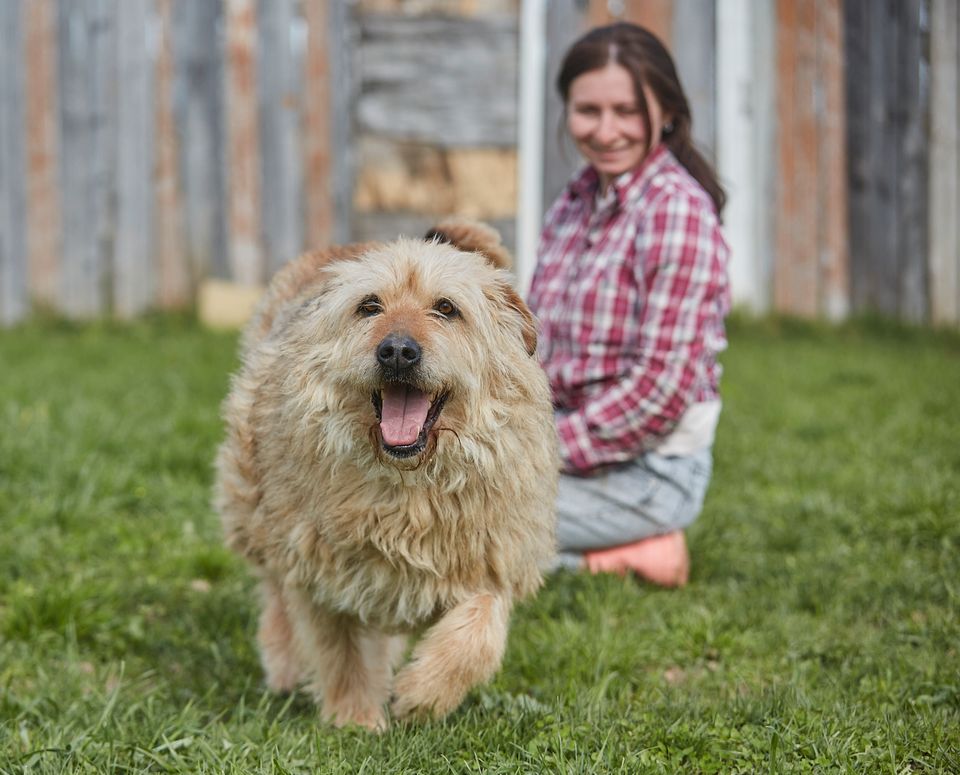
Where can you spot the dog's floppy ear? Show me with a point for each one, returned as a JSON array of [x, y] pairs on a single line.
[[510, 300], [473, 237]]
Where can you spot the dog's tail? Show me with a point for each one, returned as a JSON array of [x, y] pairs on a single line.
[[474, 237]]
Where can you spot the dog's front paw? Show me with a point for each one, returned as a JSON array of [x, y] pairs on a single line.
[[421, 694], [347, 714], [282, 678]]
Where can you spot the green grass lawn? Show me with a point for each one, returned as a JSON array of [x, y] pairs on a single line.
[[820, 632]]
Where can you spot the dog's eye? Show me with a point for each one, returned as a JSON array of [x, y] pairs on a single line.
[[370, 306], [446, 308]]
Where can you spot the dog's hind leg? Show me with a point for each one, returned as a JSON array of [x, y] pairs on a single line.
[[275, 636], [464, 648], [349, 666]]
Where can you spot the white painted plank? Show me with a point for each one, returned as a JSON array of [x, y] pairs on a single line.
[[744, 148], [530, 109]]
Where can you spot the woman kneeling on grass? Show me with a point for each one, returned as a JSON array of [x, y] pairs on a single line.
[[631, 291]]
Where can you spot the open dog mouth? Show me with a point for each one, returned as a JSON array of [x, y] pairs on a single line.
[[406, 416]]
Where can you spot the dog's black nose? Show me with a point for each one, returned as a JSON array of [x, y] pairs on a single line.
[[398, 353]]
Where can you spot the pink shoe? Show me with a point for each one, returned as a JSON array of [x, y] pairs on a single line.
[[661, 560]]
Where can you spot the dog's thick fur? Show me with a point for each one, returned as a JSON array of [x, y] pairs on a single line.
[[358, 543]]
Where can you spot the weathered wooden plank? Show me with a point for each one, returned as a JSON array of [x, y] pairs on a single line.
[[279, 75], [243, 155], [343, 34], [86, 71], [796, 287], [199, 109], [43, 153], [834, 258], [944, 225], [694, 35], [860, 149], [317, 127], [133, 272], [174, 273], [912, 110], [13, 194], [764, 143], [566, 21], [881, 267], [451, 81], [887, 108]]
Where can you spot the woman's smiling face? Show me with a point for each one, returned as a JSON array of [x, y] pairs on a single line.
[[605, 121]]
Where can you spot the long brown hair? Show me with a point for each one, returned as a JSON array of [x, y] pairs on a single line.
[[649, 63]]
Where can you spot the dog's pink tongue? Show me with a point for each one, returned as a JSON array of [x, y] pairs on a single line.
[[402, 415]]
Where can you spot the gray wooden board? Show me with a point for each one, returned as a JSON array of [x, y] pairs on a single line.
[[86, 72], [566, 21], [695, 54], [450, 81], [133, 265], [280, 84], [871, 159], [343, 36], [887, 105], [913, 109], [198, 95], [13, 196]]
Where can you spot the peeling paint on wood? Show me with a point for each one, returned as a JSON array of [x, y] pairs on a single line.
[[43, 152], [175, 277], [833, 301], [796, 282], [243, 173], [944, 225]]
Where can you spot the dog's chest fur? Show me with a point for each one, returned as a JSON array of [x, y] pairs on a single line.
[[389, 553]]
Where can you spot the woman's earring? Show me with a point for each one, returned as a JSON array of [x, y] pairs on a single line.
[[667, 128]]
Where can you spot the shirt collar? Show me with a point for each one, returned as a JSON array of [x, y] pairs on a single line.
[[630, 185]]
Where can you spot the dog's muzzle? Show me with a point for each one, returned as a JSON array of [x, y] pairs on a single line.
[[405, 412]]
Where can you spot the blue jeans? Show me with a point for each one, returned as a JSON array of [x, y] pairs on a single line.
[[649, 496]]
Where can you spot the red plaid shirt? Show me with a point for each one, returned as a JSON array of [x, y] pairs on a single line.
[[631, 292]]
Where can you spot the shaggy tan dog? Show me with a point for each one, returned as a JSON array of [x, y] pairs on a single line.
[[390, 467]]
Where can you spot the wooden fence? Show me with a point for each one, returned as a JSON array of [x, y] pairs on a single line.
[[146, 145]]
